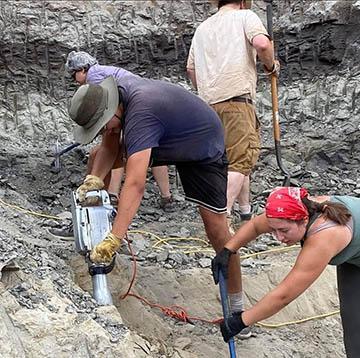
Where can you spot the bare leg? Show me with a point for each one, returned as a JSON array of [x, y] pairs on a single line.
[[235, 183], [162, 179], [218, 234], [115, 182], [244, 195]]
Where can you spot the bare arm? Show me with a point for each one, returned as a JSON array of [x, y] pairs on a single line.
[[190, 66], [106, 155], [311, 262], [132, 191], [248, 232], [264, 49], [192, 76]]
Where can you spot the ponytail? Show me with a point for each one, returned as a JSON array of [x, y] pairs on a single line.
[[332, 211]]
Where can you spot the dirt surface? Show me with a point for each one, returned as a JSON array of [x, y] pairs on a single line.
[[46, 309], [166, 274], [193, 289]]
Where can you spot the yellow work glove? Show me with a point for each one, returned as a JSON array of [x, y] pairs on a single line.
[[91, 182], [103, 252]]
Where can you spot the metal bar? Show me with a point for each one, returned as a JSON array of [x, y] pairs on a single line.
[[101, 290], [56, 164], [226, 309]]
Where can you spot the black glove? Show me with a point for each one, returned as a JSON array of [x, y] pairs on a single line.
[[232, 325], [221, 262]]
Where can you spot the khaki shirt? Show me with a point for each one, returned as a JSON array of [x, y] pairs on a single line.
[[222, 55]]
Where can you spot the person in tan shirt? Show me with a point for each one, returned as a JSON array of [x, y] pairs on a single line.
[[222, 67]]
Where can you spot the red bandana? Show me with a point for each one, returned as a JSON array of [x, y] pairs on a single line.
[[285, 203]]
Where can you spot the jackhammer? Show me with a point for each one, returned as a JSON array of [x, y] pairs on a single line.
[[91, 224]]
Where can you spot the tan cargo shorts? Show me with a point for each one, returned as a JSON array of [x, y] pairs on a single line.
[[242, 137]]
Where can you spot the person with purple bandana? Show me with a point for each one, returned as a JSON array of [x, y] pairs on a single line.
[[328, 229], [84, 68]]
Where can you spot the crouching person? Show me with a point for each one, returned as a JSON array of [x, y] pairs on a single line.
[[328, 228]]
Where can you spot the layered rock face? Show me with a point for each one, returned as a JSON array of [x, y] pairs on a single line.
[[148, 37], [319, 49], [317, 45]]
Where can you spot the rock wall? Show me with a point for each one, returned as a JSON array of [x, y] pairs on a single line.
[[148, 37], [319, 92], [317, 45]]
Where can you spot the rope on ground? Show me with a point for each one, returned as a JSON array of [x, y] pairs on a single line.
[[179, 313], [185, 249], [30, 212], [206, 248], [166, 240], [158, 238], [279, 249], [278, 325], [176, 311]]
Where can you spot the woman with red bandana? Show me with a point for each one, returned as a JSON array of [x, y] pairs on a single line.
[[328, 229]]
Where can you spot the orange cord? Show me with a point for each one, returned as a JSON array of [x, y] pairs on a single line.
[[173, 311]]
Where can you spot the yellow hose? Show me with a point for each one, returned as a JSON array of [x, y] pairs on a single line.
[[207, 248], [30, 212]]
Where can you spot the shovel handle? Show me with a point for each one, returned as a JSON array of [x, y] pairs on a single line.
[[274, 89], [275, 101], [275, 108], [269, 20]]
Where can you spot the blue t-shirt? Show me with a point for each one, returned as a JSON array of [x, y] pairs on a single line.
[[176, 124]]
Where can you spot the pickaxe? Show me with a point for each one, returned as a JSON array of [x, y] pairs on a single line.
[[56, 164]]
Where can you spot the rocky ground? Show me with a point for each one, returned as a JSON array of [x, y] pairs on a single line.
[[46, 307], [46, 290]]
